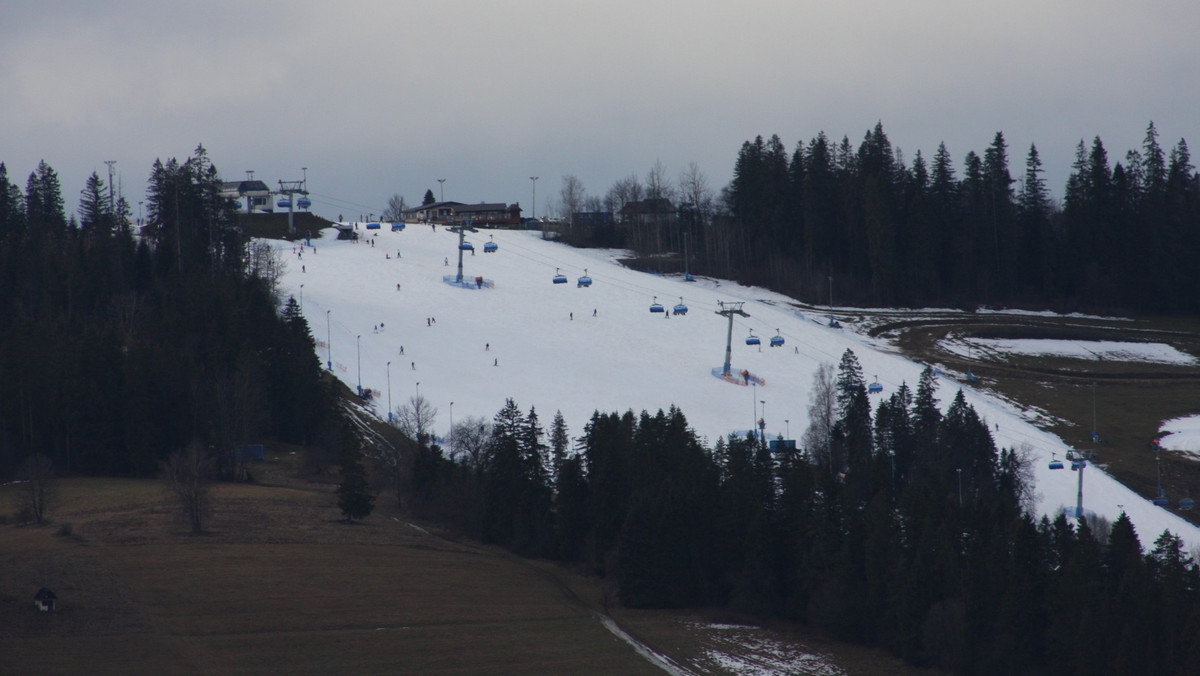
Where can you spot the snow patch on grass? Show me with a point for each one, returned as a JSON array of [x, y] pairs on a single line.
[[1181, 435], [744, 649], [1098, 350]]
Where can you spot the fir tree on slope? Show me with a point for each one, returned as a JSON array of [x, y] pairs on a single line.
[[354, 495]]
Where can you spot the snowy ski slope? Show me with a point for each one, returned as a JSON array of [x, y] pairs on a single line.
[[582, 349]]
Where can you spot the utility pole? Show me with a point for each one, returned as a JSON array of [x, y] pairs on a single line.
[[733, 309]]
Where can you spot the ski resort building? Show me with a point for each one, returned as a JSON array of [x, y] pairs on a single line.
[[484, 214], [645, 212], [253, 197]]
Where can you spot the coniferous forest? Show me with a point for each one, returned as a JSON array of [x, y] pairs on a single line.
[[116, 350], [931, 232], [901, 526]]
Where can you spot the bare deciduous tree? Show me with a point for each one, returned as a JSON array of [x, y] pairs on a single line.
[[267, 265], [416, 417], [393, 466], [571, 197], [624, 191], [470, 439], [1024, 479], [822, 414], [658, 186], [396, 206], [694, 189], [186, 475], [38, 491]]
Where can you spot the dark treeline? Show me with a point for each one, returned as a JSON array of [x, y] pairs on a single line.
[[118, 348], [883, 231], [901, 527]]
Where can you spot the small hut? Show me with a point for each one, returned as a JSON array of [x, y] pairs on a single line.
[[45, 599]]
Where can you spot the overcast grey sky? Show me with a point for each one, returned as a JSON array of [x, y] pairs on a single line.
[[377, 98]]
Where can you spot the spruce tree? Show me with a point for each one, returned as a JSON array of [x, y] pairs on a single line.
[[559, 444], [354, 494]]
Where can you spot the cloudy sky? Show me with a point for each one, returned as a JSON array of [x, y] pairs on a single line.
[[379, 98]]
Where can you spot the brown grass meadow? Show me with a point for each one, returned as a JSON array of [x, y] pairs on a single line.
[[280, 585]]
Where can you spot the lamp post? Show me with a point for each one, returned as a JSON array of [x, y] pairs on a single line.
[[534, 179], [418, 390], [110, 164], [389, 383], [139, 212], [301, 298], [442, 188], [762, 427], [754, 402], [358, 349], [787, 426], [328, 341]]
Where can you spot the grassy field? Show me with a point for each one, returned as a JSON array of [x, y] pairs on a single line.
[[279, 584]]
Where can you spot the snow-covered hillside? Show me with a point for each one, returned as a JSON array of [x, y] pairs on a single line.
[[581, 349]]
